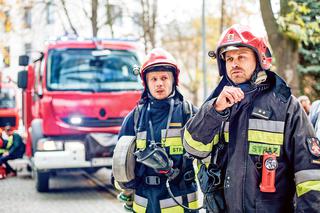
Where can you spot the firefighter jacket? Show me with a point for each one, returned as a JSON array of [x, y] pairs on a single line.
[[151, 194], [267, 119], [14, 145]]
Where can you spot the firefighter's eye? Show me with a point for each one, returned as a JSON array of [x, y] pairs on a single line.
[[229, 59]]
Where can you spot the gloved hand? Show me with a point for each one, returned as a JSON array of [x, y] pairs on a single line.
[[126, 197]]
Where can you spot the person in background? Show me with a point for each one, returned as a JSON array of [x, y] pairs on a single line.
[[305, 103], [314, 116], [13, 148]]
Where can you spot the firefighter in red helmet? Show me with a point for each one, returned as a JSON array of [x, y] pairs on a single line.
[[257, 133], [155, 126]]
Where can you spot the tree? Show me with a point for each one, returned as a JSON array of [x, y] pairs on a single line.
[[183, 40], [147, 20], [286, 33]]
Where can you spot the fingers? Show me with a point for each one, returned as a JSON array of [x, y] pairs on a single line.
[[228, 97]]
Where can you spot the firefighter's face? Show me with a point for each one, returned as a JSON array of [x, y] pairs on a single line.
[[240, 64], [160, 84]]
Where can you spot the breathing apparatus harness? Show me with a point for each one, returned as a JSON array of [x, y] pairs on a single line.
[[155, 157]]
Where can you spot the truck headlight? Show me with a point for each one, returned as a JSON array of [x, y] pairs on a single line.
[[49, 145], [76, 120]]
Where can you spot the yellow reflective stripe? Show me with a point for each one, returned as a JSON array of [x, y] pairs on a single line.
[[197, 145], [139, 209], [173, 142], [307, 186], [141, 144], [265, 137], [175, 124], [175, 209], [194, 204], [226, 136], [10, 142]]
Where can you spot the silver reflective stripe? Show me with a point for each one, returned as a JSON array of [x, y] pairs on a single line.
[[142, 135], [167, 203], [307, 175], [141, 201], [192, 197], [191, 150], [171, 133], [265, 125], [226, 127]]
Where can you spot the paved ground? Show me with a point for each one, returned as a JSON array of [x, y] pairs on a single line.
[[70, 193]]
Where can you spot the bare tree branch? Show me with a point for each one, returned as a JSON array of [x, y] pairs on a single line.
[[68, 17]]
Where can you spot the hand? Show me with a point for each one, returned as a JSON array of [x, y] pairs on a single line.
[[228, 97], [6, 153]]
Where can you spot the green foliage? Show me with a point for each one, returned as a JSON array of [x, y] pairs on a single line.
[[302, 22]]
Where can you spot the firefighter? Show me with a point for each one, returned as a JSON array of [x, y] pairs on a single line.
[[271, 152], [162, 112], [13, 148]]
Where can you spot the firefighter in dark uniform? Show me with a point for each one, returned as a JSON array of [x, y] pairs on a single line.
[[13, 148], [162, 115], [272, 157]]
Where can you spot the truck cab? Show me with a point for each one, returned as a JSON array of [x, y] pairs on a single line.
[[75, 98]]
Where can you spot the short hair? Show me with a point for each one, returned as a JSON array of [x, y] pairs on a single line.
[[303, 98]]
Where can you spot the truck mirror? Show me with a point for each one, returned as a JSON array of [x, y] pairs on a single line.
[[23, 60], [23, 79]]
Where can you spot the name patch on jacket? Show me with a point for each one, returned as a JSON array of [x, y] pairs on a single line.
[[260, 149], [314, 146]]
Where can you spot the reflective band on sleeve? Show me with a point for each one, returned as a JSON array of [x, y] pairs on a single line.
[[173, 142], [197, 145], [265, 137], [307, 175], [313, 185], [260, 149], [266, 125]]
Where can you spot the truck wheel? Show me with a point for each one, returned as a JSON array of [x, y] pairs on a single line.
[[42, 181]]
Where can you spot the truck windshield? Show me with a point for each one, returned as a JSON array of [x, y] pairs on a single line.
[[7, 98], [92, 70]]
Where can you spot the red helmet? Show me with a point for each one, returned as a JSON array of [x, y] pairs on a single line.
[[237, 36], [159, 57]]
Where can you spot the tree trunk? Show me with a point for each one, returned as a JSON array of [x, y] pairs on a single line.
[[94, 22], [285, 50]]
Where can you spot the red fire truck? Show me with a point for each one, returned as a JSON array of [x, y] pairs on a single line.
[[9, 112], [75, 97]]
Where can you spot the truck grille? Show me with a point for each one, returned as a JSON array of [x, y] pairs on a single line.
[[95, 122], [7, 120]]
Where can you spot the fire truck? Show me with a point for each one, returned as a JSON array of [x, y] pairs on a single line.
[[75, 97], [9, 111]]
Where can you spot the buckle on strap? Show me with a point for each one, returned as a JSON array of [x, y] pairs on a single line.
[[152, 180], [189, 175]]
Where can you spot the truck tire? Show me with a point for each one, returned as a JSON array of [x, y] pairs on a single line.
[[36, 133], [42, 181]]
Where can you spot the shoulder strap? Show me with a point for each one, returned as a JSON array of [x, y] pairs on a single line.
[[136, 115], [187, 110]]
